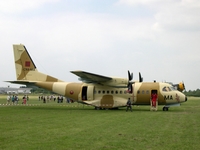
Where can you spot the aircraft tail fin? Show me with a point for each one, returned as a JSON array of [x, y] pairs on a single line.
[[25, 67]]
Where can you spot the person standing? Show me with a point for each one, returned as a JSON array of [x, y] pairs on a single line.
[[16, 99], [44, 99], [13, 99], [154, 99], [128, 105], [24, 99], [27, 98], [8, 100]]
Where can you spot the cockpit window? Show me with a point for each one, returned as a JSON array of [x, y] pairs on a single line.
[[172, 88], [164, 89], [167, 89]]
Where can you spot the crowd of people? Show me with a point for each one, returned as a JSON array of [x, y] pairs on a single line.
[[54, 98], [14, 99]]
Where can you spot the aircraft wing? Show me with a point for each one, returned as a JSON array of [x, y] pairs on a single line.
[[91, 77]]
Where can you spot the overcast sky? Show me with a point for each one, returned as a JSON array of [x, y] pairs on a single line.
[[159, 38]]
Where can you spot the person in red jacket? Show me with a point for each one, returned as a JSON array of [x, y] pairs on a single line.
[[154, 99]]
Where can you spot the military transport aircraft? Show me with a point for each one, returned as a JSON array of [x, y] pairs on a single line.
[[100, 91]]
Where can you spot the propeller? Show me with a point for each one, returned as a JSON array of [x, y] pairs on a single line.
[[140, 77], [181, 86], [130, 77]]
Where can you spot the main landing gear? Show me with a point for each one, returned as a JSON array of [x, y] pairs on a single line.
[[97, 108], [165, 108], [100, 108]]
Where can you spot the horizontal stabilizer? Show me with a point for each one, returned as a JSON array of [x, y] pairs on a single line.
[[28, 83]]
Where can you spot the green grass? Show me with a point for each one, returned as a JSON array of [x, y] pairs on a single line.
[[74, 126]]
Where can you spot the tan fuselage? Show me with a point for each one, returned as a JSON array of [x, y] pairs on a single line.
[[110, 97]]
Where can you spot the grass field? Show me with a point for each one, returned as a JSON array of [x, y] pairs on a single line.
[[55, 126]]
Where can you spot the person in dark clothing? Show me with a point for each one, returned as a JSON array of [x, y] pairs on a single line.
[[128, 105], [44, 99]]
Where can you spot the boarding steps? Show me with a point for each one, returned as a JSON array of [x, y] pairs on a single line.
[[153, 108]]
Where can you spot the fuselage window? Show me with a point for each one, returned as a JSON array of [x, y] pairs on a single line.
[[108, 92], [120, 92], [103, 92], [138, 91], [143, 92], [116, 92], [99, 92], [111, 92], [147, 92]]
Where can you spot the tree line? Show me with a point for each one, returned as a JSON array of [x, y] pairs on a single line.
[[37, 90], [195, 93]]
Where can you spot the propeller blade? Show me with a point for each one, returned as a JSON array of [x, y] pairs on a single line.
[[183, 86], [130, 76], [140, 77]]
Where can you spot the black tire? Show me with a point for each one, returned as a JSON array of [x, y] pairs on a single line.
[[165, 108]]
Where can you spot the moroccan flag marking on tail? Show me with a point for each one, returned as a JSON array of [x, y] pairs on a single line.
[[27, 63]]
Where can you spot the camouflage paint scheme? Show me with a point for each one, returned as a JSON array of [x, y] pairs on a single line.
[[96, 90]]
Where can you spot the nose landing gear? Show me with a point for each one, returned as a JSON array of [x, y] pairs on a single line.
[[165, 108]]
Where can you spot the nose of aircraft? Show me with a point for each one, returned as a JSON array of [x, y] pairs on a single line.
[[183, 97]]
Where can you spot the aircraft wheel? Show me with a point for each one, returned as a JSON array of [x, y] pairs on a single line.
[[165, 108], [96, 108]]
